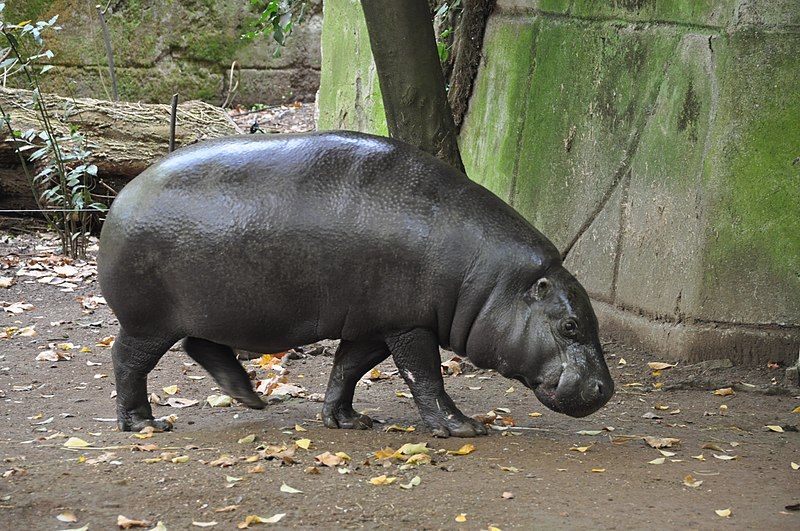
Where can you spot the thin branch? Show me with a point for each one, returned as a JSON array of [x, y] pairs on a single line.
[[109, 51], [173, 119]]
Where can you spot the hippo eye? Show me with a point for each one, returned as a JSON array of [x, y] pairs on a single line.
[[569, 328]]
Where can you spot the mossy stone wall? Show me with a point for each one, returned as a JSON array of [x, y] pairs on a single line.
[[659, 139], [167, 46]]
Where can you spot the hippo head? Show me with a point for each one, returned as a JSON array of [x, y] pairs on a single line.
[[546, 337]]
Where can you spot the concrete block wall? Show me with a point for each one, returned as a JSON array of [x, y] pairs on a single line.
[[659, 139], [167, 46]]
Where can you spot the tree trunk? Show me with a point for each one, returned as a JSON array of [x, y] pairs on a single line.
[[467, 54], [124, 138], [410, 76]]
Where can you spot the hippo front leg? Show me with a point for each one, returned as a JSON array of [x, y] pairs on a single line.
[[416, 354]]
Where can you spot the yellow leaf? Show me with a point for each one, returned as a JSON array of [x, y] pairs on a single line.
[[660, 365], [510, 389], [598, 470], [700, 457], [343, 456], [299, 428], [796, 410], [581, 449], [535, 414], [204, 524], [401, 394], [412, 449], [86, 350], [329, 459], [622, 362], [397, 427], [775, 428], [219, 400], [461, 517], [726, 457], [247, 439], [657, 461], [666, 453], [180, 459], [82, 459], [464, 450], [170, 389], [385, 453], [725, 513], [661, 407], [689, 481], [725, 391], [305, 444], [418, 459], [383, 480], [76, 442], [255, 519], [795, 466]]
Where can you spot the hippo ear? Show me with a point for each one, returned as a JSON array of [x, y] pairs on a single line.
[[538, 291]]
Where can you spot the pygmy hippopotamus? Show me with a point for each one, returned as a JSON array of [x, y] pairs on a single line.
[[268, 243]]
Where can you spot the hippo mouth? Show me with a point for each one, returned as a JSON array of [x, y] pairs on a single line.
[[569, 393]]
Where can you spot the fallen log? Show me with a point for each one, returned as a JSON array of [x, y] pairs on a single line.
[[124, 137]]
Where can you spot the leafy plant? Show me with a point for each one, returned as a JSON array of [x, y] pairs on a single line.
[[62, 186], [444, 15], [277, 19]]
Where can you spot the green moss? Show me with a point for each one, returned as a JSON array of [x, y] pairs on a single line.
[[21, 10], [349, 96], [490, 158], [757, 220]]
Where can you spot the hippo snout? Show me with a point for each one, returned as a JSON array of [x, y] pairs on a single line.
[[576, 393], [579, 394]]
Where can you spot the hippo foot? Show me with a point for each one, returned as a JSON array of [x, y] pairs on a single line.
[[455, 425], [346, 419], [140, 424]]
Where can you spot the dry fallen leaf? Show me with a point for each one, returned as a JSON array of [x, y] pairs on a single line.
[[507, 495], [299, 428], [126, 523], [461, 517], [622, 362], [726, 457], [657, 461], [725, 391], [68, 517], [661, 442], [76, 442], [219, 400], [305, 444], [689, 481], [666, 453], [660, 365], [397, 427], [598, 470], [255, 519], [416, 480], [328, 459], [290, 490], [464, 450], [794, 466], [796, 410], [535, 414], [203, 524], [383, 480], [159, 527], [170, 389], [581, 449], [774, 428], [247, 439], [725, 513], [226, 509]]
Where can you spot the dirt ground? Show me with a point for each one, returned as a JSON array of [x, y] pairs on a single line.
[[536, 469]]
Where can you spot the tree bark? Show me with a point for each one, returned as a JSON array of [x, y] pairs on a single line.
[[467, 54], [412, 84], [124, 137]]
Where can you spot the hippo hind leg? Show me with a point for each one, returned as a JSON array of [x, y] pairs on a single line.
[[220, 361], [134, 357], [352, 360], [416, 354]]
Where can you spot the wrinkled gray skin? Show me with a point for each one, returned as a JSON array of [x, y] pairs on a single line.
[[267, 243]]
